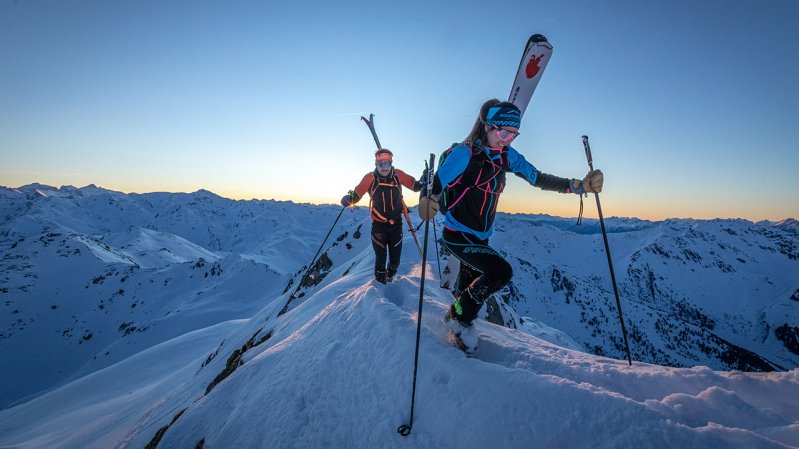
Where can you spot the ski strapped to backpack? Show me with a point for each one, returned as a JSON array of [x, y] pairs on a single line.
[[370, 122], [534, 60]]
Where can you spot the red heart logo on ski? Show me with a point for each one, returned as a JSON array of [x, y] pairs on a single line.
[[533, 68]]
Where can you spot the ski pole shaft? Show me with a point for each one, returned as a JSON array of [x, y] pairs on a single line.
[[435, 235], [405, 429], [590, 158], [438, 258], [299, 284], [410, 227]]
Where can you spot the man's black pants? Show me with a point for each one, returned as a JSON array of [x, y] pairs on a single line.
[[386, 238]]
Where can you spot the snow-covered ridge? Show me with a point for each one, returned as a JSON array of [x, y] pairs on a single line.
[[336, 371], [119, 311]]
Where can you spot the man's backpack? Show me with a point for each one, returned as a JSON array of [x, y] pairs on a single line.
[[386, 198]]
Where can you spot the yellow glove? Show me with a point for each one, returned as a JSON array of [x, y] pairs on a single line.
[[593, 181]]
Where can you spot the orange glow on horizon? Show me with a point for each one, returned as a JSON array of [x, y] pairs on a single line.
[[514, 202]]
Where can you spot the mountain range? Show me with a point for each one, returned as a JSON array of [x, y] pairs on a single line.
[[168, 295]]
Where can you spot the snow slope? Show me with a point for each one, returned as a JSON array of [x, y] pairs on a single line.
[[335, 371]]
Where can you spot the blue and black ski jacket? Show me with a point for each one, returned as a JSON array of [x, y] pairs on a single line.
[[472, 178]]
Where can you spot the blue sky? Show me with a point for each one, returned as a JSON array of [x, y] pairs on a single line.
[[691, 107]]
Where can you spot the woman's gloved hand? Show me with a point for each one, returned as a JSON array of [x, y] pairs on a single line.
[[428, 207]]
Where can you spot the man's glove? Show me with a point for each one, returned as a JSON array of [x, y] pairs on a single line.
[[348, 199], [428, 207], [421, 184]]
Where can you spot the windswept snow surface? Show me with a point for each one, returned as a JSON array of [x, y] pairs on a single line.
[[337, 371], [204, 358]]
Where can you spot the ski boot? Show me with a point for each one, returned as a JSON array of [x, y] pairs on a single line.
[[462, 335]]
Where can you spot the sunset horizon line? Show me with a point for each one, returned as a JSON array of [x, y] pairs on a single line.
[[320, 202]]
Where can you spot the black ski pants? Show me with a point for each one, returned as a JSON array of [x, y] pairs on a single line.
[[386, 238], [483, 270]]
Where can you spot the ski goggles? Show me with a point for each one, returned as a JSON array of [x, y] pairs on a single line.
[[383, 164], [505, 135]]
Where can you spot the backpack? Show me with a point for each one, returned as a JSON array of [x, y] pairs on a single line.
[[467, 180], [447, 197], [385, 200]]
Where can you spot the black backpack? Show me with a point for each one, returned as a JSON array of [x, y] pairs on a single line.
[[468, 179], [385, 196], [446, 198]]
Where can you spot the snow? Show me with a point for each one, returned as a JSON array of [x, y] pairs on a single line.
[[336, 370], [538, 329], [116, 398]]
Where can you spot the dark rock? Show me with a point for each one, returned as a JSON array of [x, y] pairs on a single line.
[[789, 336]]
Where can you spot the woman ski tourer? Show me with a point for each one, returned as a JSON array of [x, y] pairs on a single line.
[[467, 186]]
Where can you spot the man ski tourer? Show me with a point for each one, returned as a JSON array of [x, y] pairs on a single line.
[[467, 186], [384, 186]]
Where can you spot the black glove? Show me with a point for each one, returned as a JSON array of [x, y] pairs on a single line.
[[421, 182], [348, 199]]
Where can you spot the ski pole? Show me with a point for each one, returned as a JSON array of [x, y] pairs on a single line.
[[607, 251], [405, 429], [435, 236], [438, 259], [410, 227], [299, 284]]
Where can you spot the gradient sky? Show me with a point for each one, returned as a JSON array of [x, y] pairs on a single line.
[[691, 107]]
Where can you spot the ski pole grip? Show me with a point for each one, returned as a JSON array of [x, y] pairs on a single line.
[[588, 156], [430, 174]]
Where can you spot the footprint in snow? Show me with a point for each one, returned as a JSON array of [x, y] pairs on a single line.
[[394, 294]]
